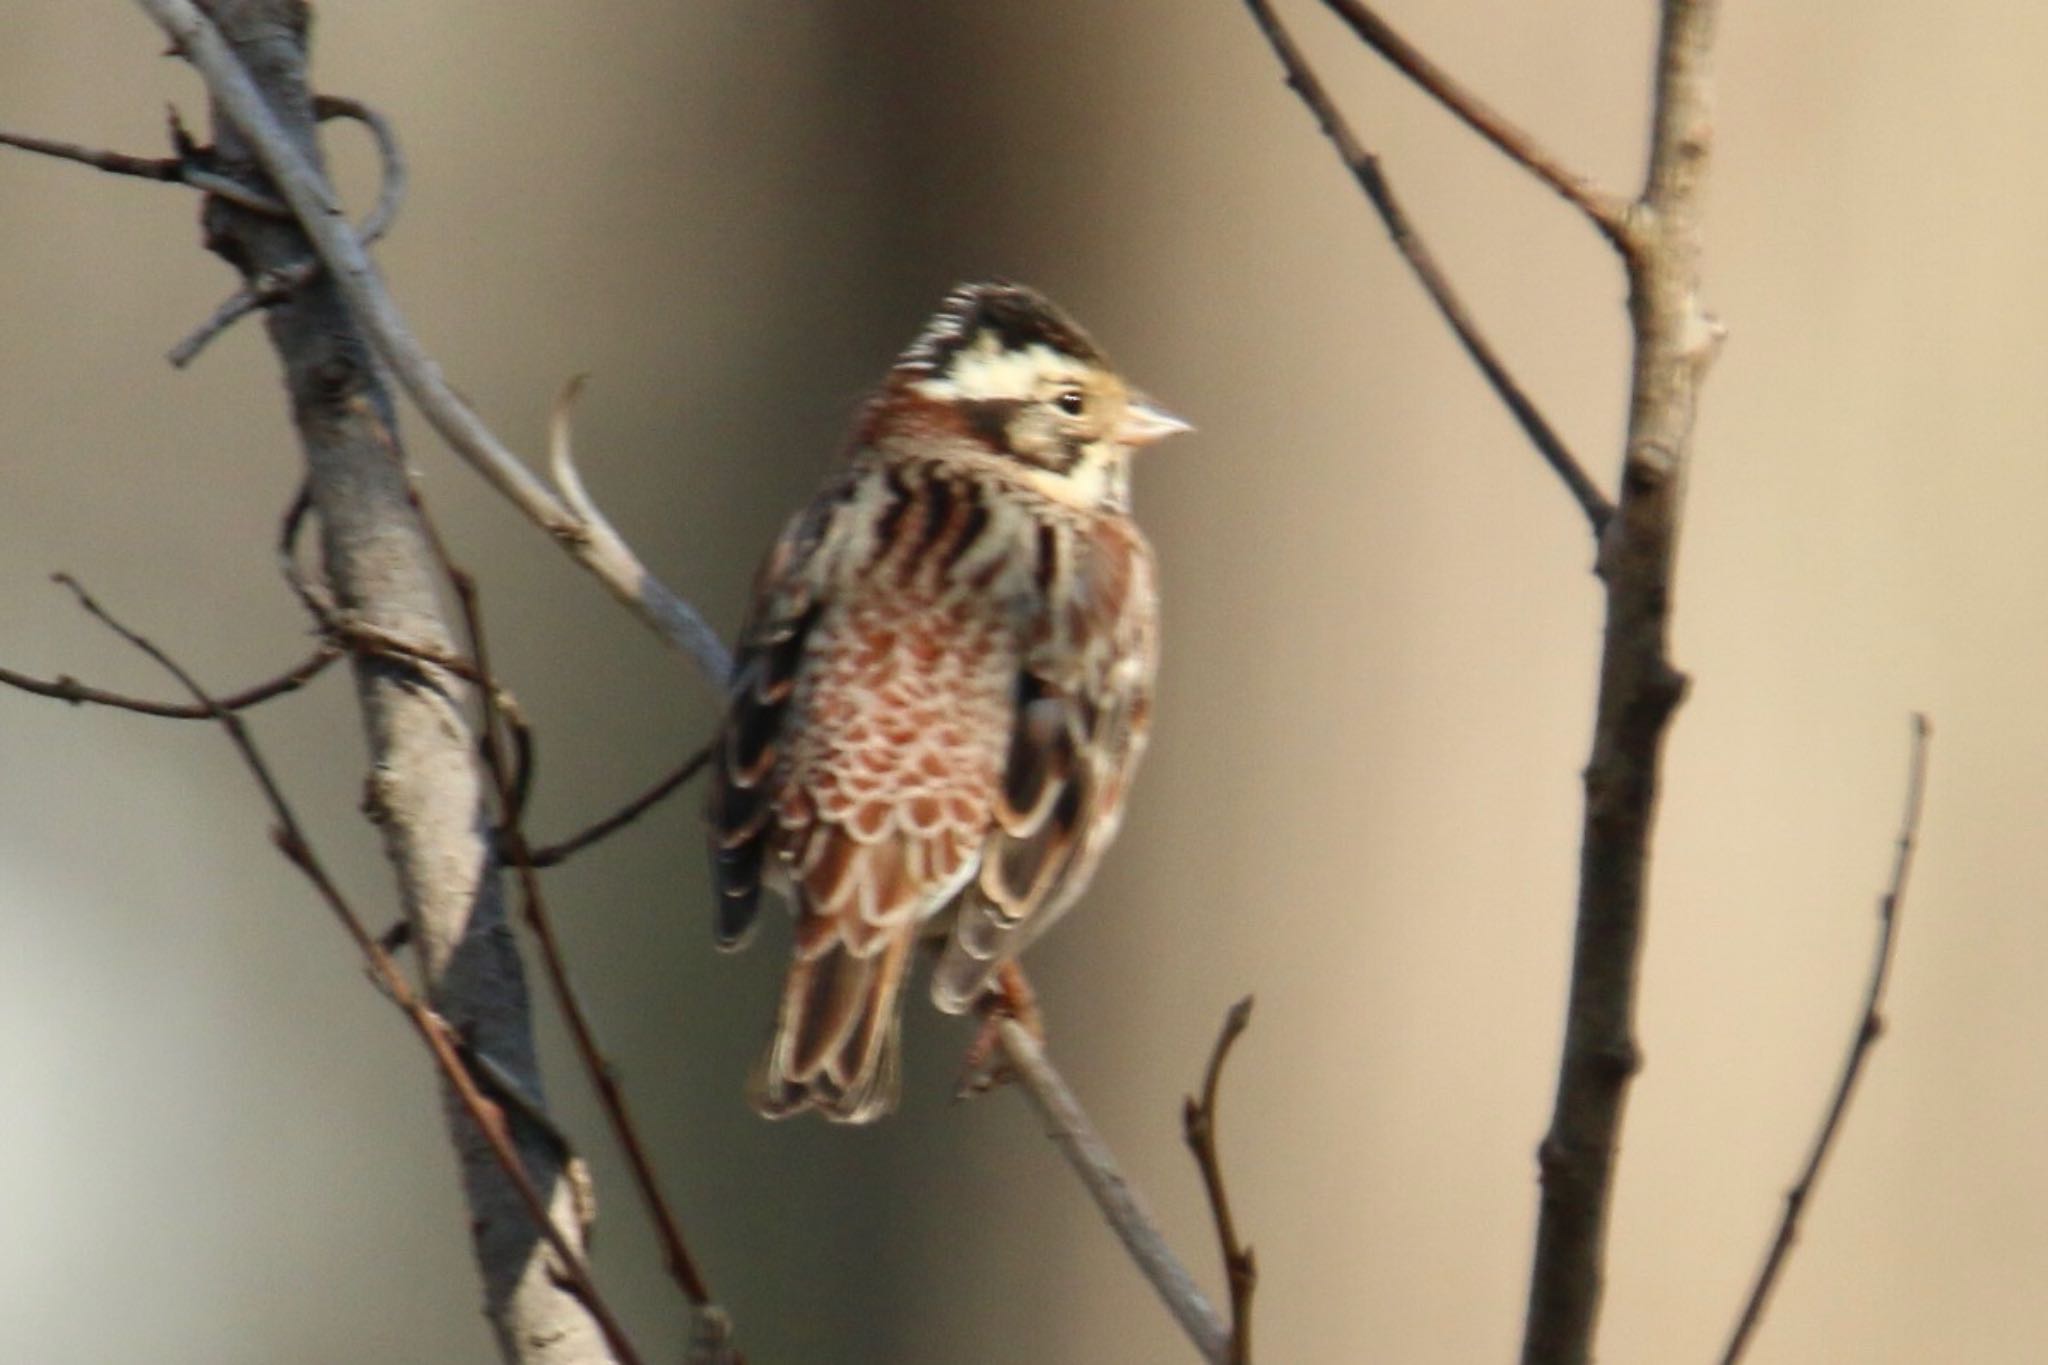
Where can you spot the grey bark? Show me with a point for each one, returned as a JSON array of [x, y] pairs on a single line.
[[1675, 341], [426, 791]]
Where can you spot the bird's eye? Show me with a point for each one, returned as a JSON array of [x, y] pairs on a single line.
[[1070, 401]]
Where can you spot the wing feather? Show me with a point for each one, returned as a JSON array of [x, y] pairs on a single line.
[[1083, 698], [789, 599]]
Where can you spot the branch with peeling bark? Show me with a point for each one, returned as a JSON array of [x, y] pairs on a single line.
[[712, 1328]]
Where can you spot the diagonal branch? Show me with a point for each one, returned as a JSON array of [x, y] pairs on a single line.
[[549, 855], [1869, 1028], [312, 200], [1607, 210], [1066, 1123], [1365, 166]]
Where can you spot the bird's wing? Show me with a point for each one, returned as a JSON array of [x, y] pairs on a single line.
[[1083, 702], [790, 594]]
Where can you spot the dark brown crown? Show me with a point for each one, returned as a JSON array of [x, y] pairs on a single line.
[[1017, 316]]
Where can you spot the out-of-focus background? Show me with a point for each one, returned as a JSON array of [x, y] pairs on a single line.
[[218, 1144]]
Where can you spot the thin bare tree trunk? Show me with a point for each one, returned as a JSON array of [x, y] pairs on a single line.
[[1675, 341], [425, 792]]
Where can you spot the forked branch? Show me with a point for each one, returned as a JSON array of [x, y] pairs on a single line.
[[1659, 237], [1675, 341], [1869, 1028], [1365, 167], [1608, 211], [593, 544]]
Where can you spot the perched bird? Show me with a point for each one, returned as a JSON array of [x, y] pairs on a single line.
[[941, 691]]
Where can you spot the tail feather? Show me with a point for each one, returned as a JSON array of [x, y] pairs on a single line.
[[836, 1047]]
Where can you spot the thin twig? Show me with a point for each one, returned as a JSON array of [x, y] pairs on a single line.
[[275, 285], [66, 688], [433, 1030], [393, 179], [183, 169], [1198, 1125], [1869, 1028], [509, 780], [1068, 1126], [551, 854], [602, 552], [1607, 210], [1365, 167]]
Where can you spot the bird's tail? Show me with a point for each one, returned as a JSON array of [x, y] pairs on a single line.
[[837, 1047]]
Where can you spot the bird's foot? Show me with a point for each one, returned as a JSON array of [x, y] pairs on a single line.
[[1009, 996]]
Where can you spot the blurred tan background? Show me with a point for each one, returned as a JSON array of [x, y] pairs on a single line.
[[217, 1144]]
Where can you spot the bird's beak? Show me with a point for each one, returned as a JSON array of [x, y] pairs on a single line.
[[1145, 422]]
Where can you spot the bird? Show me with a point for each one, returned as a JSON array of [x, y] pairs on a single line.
[[940, 693]]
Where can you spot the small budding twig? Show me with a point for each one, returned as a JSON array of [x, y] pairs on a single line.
[[1198, 1124], [1869, 1028], [65, 688], [190, 167]]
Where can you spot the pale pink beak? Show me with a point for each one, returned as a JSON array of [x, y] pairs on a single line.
[[1145, 422]]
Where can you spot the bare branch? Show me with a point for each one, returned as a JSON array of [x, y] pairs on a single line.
[[445, 1048], [1068, 1126], [599, 544], [1365, 167], [551, 854], [1198, 1125], [183, 169], [426, 792], [1869, 1028], [65, 688], [273, 285], [1675, 343], [1607, 210], [709, 1347], [711, 1337], [311, 199]]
